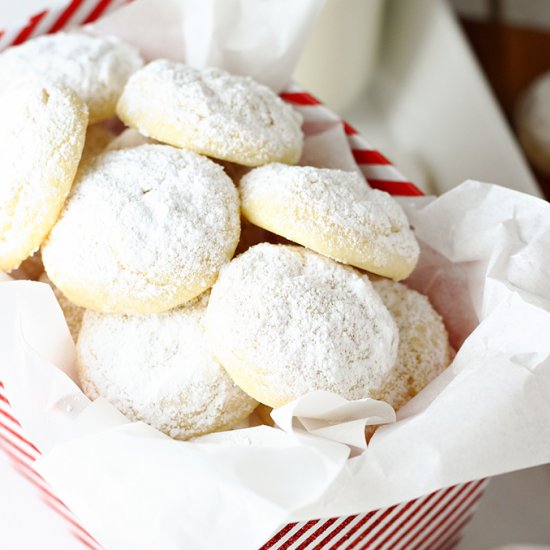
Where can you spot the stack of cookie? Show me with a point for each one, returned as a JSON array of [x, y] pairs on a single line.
[[138, 234]]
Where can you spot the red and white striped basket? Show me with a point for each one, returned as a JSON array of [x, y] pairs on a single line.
[[434, 521]]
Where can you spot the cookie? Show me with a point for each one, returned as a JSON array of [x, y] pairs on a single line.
[[158, 369], [424, 351], [285, 321], [212, 112], [334, 213], [41, 139], [96, 68], [144, 230]]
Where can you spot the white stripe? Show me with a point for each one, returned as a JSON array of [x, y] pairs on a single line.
[[9, 36], [45, 23], [316, 113], [82, 13], [357, 141], [381, 172]]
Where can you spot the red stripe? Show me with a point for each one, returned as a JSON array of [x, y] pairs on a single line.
[[446, 537], [97, 11], [61, 21], [350, 533], [9, 416], [81, 539], [403, 188], [278, 536], [369, 156], [398, 524], [4, 441], [308, 525], [18, 461], [447, 514], [30, 479], [452, 530], [320, 531], [299, 98], [67, 517], [379, 520], [18, 436], [4, 399], [419, 519], [26, 470], [350, 130], [29, 29]]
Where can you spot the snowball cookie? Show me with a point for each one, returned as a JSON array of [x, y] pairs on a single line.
[[533, 123], [334, 213], [42, 131], [424, 350], [159, 369], [94, 67], [143, 231], [211, 112], [73, 314], [285, 321]]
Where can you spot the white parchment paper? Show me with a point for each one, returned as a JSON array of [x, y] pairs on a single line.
[[485, 259]]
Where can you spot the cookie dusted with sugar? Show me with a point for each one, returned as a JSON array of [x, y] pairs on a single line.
[[334, 213], [285, 321], [144, 230], [212, 112], [424, 351], [96, 68], [42, 132], [159, 369]]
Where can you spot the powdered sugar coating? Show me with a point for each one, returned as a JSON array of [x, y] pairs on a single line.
[[285, 321], [159, 369], [424, 350], [42, 130], [334, 213], [144, 230], [96, 68], [211, 112]]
